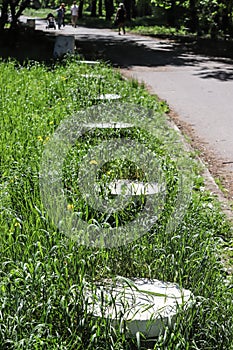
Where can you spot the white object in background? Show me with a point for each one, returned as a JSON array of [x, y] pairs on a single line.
[[146, 306], [109, 97], [90, 63], [108, 125], [133, 188]]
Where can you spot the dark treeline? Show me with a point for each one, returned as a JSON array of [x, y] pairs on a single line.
[[198, 16]]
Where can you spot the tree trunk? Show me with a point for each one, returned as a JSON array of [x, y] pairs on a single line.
[[134, 12], [93, 8], [226, 17], [100, 8], [171, 17], [128, 8], [109, 8], [193, 24], [22, 7], [230, 10], [4, 14], [221, 18], [80, 9], [225, 21]]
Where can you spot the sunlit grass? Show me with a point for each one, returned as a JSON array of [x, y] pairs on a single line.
[[158, 30], [40, 13]]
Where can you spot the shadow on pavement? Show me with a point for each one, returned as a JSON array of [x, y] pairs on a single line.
[[219, 74], [125, 52]]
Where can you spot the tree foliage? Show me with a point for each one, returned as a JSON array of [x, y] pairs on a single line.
[[12, 9], [200, 16]]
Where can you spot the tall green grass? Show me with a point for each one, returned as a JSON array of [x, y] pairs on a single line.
[[157, 30], [43, 274]]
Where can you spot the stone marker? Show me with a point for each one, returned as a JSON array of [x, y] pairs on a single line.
[[133, 188], [146, 306], [92, 76], [109, 97], [108, 125], [90, 63], [64, 44]]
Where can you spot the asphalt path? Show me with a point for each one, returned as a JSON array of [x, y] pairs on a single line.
[[198, 88]]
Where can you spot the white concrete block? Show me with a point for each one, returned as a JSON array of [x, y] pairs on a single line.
[[89, 63], [108, 125], [109, 97], [133, 188], [64, 44], [146, 306]]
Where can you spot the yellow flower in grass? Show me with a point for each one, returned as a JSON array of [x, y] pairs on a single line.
[[70, 207], [17, 224], [14, 179], [93, 161], [40, 138], [46, 140]]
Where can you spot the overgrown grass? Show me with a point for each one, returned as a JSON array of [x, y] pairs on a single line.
[[44, 274], [158, 30]]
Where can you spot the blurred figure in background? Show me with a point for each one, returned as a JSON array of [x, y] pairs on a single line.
[[74, 14], [51, 23], [61, 16], [120, 18]]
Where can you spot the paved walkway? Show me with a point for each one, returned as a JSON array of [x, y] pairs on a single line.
[[198, 88]]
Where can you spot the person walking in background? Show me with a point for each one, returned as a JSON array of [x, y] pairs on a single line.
[[120, 18], [74, 14], [61, 15]]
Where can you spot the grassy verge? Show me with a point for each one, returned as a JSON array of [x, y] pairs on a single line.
[[157, 30], [44, 274]]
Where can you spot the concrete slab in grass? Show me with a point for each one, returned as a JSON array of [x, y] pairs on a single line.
[[108, 125], [133, 188], [145, 306]]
